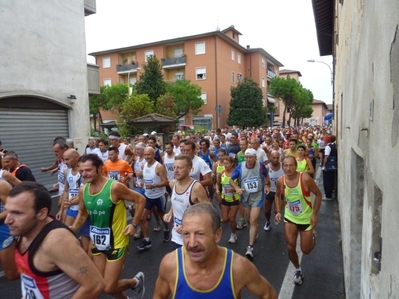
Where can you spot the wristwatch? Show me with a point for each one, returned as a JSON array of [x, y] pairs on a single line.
[[135, 225]]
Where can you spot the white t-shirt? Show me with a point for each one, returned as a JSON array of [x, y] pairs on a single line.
[[261, 155], [95, 150], [199, 167]]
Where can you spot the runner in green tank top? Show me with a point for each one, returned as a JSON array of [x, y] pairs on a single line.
[[300, 215], [103, 202]]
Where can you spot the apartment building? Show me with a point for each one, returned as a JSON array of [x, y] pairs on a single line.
[[215, 61], [45, 80]]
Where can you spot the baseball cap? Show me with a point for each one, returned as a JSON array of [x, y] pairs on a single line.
[[153, 133], [250, 152]]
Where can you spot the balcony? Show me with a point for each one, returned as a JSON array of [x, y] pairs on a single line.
[[174, 62], [270, 74], [127, 68], [90, 7], [93, 79]]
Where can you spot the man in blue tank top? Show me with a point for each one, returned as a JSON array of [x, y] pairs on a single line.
[[208, 270]]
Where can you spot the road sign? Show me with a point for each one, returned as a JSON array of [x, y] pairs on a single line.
[[218, 109]]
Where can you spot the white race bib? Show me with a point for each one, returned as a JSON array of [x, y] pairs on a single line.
[[73, 193], [101, 237], [228, 190], [251, 185], [295, 207], [115, 175], [29, 288]]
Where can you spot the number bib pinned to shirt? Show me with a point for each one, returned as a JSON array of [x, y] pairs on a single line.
[[295, 207], [29, 288], [251, 185], [101, 237], [228, 190], [115, 175]]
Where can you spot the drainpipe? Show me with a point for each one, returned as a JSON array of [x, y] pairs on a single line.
[[216, 84]]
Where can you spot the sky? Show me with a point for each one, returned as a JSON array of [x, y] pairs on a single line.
[[283, 28]]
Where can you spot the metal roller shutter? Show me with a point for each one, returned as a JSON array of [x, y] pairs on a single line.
[[30, 133]]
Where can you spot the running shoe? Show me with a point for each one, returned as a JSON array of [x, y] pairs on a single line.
[[144, 245], [267, 226], [139, 233], [139, 289], [158, 226], [298, 277], [250, 252], [166, 236], [233, 238]]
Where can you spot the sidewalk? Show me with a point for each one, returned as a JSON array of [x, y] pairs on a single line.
[[324, 266]]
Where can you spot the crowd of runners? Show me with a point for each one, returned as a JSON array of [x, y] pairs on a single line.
[[188, 185]]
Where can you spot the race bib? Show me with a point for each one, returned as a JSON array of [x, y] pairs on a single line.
[[115, 175], [169, 167], [251, 185], [295, 207], [73, 193], [29, 288], [228, 190], [100, 237]]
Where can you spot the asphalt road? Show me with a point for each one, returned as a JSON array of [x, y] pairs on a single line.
[[322, 268]]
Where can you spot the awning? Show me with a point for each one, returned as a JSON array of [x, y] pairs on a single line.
[[329, 116], [271, 100]]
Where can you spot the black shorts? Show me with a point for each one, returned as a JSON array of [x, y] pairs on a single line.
[[169, 190], [159, 202], [111, 254], [303, 227], [230, 203], [270, 195]]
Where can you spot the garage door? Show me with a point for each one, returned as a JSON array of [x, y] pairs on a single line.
[[30, 133]]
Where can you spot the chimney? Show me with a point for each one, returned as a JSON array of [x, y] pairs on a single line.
[[248, 46]]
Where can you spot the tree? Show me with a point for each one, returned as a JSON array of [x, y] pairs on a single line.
[[166, 105], [135, 106], [302, 106], [246, 108], [97, 102], [286, 90], [151, 81], [187, 97]]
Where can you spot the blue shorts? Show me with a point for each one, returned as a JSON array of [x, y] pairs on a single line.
[[159, 202], [140, 190], [72, 213], [5, 238], [85, 229]]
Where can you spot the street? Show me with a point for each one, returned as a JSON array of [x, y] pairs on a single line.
[[322, 268]]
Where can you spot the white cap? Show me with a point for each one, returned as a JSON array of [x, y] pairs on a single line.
[[153, 133], [250, 152]]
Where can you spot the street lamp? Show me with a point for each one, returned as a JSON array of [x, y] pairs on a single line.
[[331, 71]]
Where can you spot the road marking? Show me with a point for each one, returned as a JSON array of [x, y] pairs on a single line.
[[287, 288]]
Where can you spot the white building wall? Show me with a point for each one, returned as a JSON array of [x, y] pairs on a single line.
[[43, 53], [367, 75]]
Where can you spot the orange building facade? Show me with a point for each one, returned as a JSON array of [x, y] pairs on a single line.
[[215, 61]]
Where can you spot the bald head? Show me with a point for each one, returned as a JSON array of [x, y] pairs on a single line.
[[275, 157], [71, 157], [149, 154]]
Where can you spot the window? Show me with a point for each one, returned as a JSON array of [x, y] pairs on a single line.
[[239, 58], [179, 76], [232, 54], [232, 77], [199, 48], [107, 82], [263, 63], [203, 97], [263, 82], [200, 73], [178, 52], [106, 62], [147, 54], [132, 80]]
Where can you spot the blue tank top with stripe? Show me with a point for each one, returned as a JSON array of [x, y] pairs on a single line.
[[224, 288]]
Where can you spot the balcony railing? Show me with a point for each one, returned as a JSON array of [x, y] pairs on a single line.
[[126, 68], [271, 74], [170, 62]]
